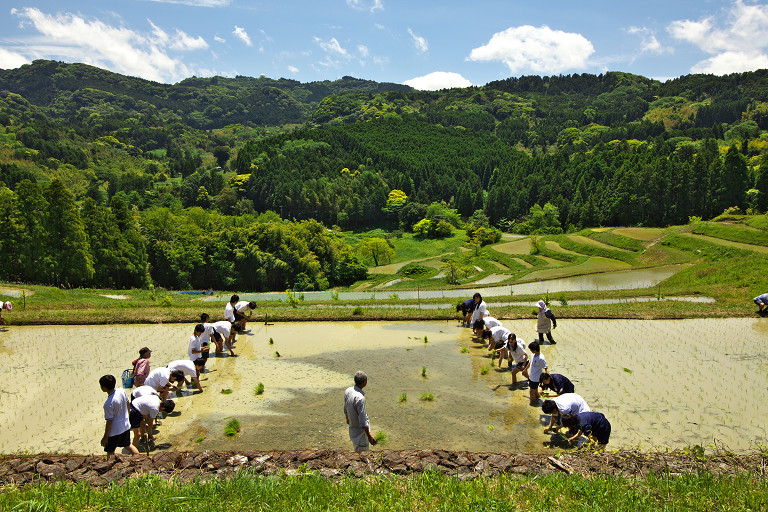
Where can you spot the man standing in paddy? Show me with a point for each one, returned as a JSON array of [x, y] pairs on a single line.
[[357, 418]]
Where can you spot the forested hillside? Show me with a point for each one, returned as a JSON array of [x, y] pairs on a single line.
[[213, 153]]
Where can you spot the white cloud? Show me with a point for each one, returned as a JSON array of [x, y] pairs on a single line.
[[648, 41], [379, 26], [219, 39], [419, 42], [74, 38], [185, 42], [366, 5], [11, 60], [196, 3], [331, 46], [293, 69], [438, 80], [242, 35], [381, 61], [737, 39], [362, 50], [538, 49]]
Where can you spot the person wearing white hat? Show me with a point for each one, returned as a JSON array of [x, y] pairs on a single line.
[[6, 306]]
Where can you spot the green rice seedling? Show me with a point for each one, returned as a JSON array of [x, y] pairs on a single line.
[[271, 341], [423, 371], [484, 370], [226, 391], [232, 428], [394, 296], [277, 354], [357, 311], [403, 398], [381, 437], [258, 389], [627, 370], [491, 427], [426, 397], [199, 439], [464, 350], [426, 340]]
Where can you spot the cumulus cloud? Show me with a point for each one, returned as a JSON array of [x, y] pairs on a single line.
[[219, 39], [242, 35], [648, 41], [293, 69], [196, 3], [331, 46], [366, 5], [538, 49], [10, 60], [419, 42], [737, 39], [438, 80], [75, 38]]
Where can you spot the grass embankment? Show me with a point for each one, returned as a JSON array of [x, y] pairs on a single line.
[[428, 491]]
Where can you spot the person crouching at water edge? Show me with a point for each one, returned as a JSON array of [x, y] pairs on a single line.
[[164, 381], [568, 403], [6, 306], [142, 414], [496, 337], [545, 322], [484, 324], [221, 332], [117, 431], [594, 425], [760, 300], [560, 384], [357, 418]]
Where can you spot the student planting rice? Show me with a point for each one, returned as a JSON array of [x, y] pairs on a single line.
[[594, 425], [221, 332], [142, 414], [481, 309], [143, 391], [514, 350], [568, 403], [560, 384], [466, 308], [760, 300], [163, 380], [241, 308], [196, 348], [189, 369], [483, 324], [496, 336], [5, 306], [117, 431], [538, 367]]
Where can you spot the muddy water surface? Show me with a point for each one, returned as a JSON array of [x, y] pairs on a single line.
[[660, 383]]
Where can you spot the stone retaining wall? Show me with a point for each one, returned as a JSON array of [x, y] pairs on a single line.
[[190, 466]]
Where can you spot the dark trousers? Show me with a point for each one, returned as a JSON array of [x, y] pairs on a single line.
[[549, 337]]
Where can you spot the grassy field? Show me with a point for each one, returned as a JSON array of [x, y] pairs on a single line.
[[429, 491]]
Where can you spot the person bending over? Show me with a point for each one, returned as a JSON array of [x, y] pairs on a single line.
[[560, 384]]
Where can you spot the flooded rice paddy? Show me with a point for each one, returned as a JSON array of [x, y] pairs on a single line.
[[661, 384]]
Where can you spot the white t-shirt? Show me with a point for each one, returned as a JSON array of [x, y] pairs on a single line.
[[158, 378], [491, 322], [148, 405], [481, 311], [116, 409], [224, 327], [499, 334], [185, 365], [229, 312], [207, 333], [242, 306], [571, 403], [538, 363], [143, 391], [517, 350], [195, 343]]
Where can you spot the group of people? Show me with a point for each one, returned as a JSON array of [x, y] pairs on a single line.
[[565, 407], [149, 397]]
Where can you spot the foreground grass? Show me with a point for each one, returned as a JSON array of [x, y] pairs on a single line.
[[429, 491]]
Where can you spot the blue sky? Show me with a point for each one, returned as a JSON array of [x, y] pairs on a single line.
[[426, 44]]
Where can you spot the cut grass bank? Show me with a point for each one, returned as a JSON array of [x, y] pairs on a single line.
[[679, 486]]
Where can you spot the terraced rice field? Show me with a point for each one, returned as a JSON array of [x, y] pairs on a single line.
[[728, 243], [644, 234], [592, 265], [588, 241]]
